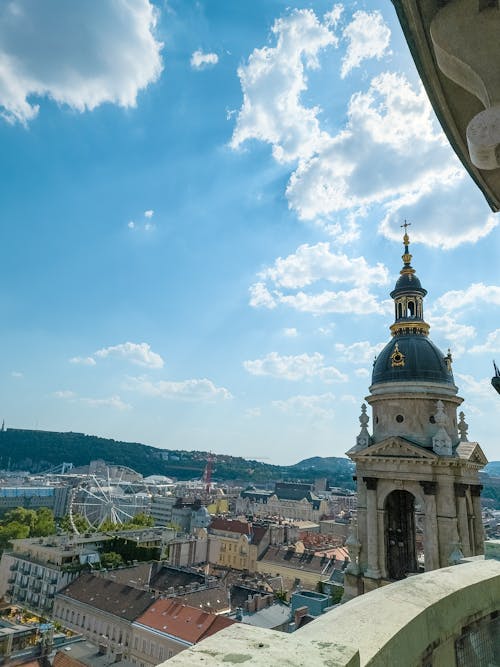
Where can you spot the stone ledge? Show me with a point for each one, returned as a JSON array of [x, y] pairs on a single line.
[[393, 625]]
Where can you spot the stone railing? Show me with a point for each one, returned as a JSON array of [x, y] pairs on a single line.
[[423, 620]]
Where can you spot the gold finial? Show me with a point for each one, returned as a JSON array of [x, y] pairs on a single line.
[[406, 240]]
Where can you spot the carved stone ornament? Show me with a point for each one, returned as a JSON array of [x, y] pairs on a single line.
[[363, 439], [441, 441], [463, 427]]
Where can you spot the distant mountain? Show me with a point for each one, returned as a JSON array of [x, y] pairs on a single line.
[[37, 451], [493, 468]]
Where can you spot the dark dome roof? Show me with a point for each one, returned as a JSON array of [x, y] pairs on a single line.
[[423, 361], [408, 282]]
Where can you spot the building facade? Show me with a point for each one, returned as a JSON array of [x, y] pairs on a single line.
[[417, 473]]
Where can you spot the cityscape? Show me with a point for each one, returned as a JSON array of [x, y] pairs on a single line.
[[250, 379]]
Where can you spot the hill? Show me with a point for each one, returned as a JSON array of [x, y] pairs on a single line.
[[36, 451]]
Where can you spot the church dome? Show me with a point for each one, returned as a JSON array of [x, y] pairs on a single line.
[[412, 358], [408, 282]]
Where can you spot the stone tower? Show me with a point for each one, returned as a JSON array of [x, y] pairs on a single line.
[[417, 473]]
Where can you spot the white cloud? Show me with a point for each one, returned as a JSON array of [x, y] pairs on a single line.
[[83, 361], [361, 352], [79, 54], [491, 345], [362, 372], [318, 406], [200, 60], [298, 367], [390, 153], [474, 295], [477, 389], [111, 402], [290, 332], [273, 81], [131, 224], [456, 333], [137, 353], [311, 263], [187, 390], [149, 214], [316, 264], [64, 393], [252, 413], [368, 37], [17, 374]]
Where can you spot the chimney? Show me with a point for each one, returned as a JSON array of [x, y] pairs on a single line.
[[300, 612]]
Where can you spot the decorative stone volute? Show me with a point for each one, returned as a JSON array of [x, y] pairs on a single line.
[[441, 441], [467, 49]]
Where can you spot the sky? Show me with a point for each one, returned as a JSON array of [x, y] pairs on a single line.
[[201, 205]]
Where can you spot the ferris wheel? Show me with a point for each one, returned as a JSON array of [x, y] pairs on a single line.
[[100, 501]]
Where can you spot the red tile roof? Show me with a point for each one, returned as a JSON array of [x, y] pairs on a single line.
[[179, 620], [231, 526]]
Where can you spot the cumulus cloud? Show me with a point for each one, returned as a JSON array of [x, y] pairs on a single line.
[[284, 282], [252, 413], [80, 54], [187, 390], [295, 367], [491, 345], [109, 402], [474, 295], [390, 152], [273, 81], [361, 352], [315, 405], [200, 60], [140, 354], [83, 361], [290, 332], [368, 37]]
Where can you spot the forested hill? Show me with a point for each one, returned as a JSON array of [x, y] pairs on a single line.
[[37, 451]]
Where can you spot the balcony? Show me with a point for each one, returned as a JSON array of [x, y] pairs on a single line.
[[442, 617]]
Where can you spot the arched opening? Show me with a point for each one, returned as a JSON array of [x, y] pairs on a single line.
[[400, 534], [411, 308], [400, 311]]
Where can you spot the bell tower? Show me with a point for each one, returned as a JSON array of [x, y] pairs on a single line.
[[417, 472]]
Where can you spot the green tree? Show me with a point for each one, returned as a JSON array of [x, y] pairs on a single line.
[[111, 560], [14, 530], [80, 522], [44, 523], [22, 516]]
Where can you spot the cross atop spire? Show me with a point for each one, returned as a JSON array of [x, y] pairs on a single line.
[[407, 224]]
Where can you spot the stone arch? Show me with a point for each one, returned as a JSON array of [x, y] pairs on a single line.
[[400, 534], [417, 537]]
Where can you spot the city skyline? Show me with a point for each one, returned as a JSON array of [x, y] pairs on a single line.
[[202, 217]]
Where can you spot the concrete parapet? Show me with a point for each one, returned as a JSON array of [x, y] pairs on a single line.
[[400, 624]]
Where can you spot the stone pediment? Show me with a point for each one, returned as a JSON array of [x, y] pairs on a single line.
[[472, 452], [394, 447]]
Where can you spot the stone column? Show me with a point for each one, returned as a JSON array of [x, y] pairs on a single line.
[[446, 517], [475, 491], [463, 522], [431, 535], [373, 570]]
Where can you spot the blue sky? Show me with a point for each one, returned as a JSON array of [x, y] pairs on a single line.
[[201, 208]]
